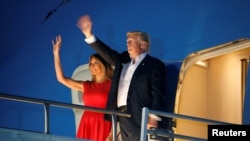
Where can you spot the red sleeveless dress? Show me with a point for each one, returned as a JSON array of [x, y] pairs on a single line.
[[92, 125]]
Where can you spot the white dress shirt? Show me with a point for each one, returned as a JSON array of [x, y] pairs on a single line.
[[125, 79]]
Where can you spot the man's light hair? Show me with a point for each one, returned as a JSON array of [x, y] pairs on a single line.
[[142, 35]]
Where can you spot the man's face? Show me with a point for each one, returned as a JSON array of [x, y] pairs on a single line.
[[134, 47]]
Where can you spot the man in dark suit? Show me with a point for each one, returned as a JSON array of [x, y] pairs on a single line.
[[138, 81]]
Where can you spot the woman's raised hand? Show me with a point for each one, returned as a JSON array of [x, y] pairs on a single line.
[[57, 44]]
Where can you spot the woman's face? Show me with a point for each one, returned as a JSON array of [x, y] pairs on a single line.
[[95, 66]]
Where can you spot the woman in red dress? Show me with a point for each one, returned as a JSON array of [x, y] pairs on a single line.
[[92, 126]]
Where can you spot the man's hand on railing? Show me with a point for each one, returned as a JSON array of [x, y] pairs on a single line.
[[152, 122]]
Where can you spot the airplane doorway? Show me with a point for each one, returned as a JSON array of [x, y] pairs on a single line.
[[212, 86], [80, 73]]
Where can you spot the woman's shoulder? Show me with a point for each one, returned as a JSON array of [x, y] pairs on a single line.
[[108, 81]]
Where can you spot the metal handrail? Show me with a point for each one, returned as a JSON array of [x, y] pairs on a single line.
[[145, 112], [48, 103], [169, 133]]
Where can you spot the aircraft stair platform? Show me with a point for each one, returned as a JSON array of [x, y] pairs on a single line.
[[20, 135]]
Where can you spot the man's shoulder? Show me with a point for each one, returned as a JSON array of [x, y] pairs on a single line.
[[156, 60]]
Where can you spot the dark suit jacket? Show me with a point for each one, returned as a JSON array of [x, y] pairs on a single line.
[[147, 87]]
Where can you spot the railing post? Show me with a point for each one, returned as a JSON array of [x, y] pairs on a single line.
[[144, 122], [46, 118], [114, 125]]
